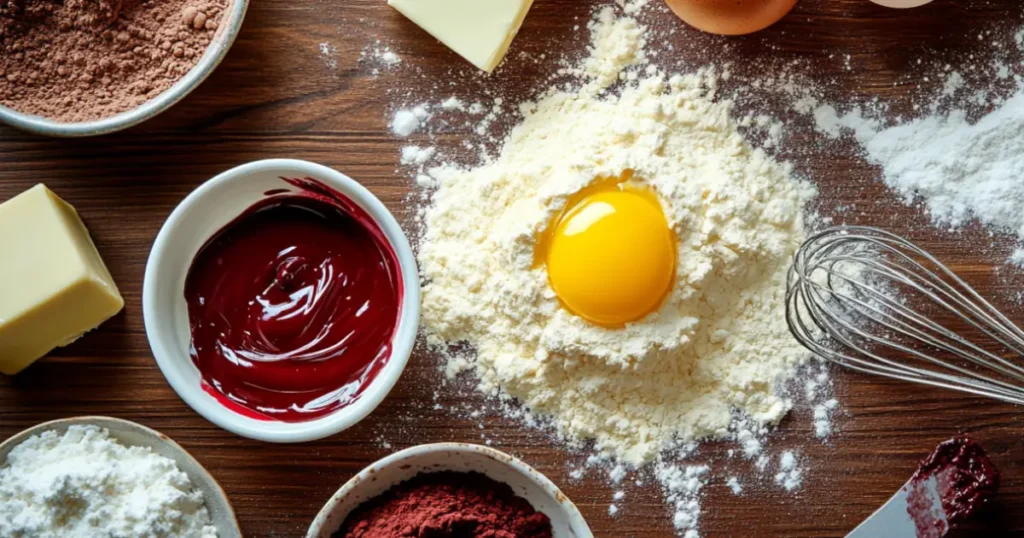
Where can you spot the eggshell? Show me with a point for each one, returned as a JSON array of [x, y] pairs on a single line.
[[731, 17]]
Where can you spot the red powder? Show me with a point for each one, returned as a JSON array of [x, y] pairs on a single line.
[[446, 504]]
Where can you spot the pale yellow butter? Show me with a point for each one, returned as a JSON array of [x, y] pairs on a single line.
[[481, 31], [54, 286]]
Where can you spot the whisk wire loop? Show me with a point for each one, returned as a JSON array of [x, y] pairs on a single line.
[[874, 302]]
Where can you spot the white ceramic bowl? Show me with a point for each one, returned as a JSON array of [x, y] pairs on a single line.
[[528, 483], [222, 41], [131, 434], [205, 212]]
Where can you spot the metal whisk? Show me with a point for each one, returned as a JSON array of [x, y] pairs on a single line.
[[874, 302]]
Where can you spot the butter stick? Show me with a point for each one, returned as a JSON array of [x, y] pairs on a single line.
[[54, 286], [481, 31]]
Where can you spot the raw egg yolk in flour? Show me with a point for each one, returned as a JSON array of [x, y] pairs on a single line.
[[610, 255]]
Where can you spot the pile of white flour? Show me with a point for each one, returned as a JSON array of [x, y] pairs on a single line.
[[717, 349], [961, 171], [85, 484]]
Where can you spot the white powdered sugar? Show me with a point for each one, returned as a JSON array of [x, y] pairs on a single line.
[[85, 484]]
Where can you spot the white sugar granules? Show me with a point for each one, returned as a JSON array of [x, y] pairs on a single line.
[[717, 348], [85, 484]]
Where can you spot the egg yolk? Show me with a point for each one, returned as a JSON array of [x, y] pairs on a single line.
[[610, 256]]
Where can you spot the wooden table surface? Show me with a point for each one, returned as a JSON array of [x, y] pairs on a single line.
[[277, 95]]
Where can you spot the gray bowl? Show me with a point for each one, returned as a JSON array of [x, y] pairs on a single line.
[[218, 48], [131, 434]]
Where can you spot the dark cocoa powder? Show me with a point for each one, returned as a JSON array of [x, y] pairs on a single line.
[[80, 60]]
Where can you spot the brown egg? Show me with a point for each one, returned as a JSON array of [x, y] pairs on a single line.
[[731, 17]]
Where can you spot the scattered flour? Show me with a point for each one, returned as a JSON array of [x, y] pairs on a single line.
[[85, 484], [329, 54], [417, 156], [961, 171], [453, 103], [682, 487], [734, 484], [719, 346], [380, 57], [823, 418], [790, 476], [409, 120]]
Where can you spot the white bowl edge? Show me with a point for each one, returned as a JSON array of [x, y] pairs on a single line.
[[181, 237]]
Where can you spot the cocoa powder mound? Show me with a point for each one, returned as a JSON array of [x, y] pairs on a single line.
[[81, 60], [446, 504]]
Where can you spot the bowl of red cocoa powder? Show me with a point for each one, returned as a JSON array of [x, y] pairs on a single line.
[[90, 67], [449, 490]]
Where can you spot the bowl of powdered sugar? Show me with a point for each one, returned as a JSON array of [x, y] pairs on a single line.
[[97, 477], [83, 68]]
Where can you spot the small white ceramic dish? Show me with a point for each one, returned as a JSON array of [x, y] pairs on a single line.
[[131, 434], [218, 48], [527, 482], [201, 215]]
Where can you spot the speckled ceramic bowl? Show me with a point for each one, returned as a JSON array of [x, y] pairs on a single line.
[[528, 483], [131, 434], [218, 48]]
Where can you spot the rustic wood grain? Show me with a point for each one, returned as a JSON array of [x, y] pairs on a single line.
[[274, 96]]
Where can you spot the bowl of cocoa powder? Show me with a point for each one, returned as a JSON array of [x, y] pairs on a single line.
[[449, 490], [90, 67]]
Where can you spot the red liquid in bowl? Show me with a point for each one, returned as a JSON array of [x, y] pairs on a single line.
[[293, 306]]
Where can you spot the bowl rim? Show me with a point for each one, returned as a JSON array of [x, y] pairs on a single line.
[[379, 387], [208, 62], [367, 474], [104, 422]]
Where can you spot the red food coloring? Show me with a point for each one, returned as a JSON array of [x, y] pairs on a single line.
[[964, 479], [293, 305]]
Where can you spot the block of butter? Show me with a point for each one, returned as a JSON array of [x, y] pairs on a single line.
[[53, 285], [479, 30]]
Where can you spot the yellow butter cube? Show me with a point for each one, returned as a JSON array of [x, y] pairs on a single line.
[[54, 286], [481, 31]]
